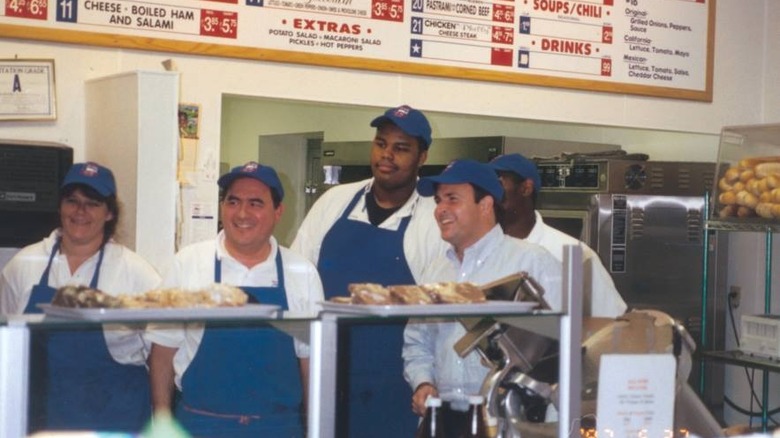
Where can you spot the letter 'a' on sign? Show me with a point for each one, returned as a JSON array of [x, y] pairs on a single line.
[[27, 89]]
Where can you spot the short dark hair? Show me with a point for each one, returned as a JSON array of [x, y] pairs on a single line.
[[480, 193], [109, 229]]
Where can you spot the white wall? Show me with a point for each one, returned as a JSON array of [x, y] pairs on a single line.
[[741, 80]]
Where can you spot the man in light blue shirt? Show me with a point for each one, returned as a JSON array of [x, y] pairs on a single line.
[[467, 195]]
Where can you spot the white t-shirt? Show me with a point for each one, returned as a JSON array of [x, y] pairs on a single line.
[[122, 272], [422, 240], [601, 298], [193, 268]]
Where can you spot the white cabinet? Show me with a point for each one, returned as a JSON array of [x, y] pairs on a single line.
[[131, 127]]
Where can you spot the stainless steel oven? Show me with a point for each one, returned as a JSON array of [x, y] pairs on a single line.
[[645, 220], [568, 186]]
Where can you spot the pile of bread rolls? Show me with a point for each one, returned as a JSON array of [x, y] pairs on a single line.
[[752, 188]]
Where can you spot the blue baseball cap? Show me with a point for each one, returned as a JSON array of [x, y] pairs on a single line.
[[410, 120], [519, 165], [265, 174], [92, 175], [461, 172]]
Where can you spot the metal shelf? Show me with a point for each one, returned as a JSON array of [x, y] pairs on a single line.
[[745, 224], [736, 357]]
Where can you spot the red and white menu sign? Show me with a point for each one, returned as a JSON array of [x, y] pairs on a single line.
[[651, 47]]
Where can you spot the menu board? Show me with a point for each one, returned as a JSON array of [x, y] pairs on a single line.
[[646, 47]]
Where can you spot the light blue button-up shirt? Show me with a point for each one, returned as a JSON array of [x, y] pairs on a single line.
[[428, 343]]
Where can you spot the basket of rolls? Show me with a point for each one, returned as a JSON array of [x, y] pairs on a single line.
[[749, 189]]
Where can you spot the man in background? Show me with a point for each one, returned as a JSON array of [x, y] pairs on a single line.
[[380, 231], [521, 182]]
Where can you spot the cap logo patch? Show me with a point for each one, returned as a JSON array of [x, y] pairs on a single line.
[[401, 111], [250, 167], [90, 170]]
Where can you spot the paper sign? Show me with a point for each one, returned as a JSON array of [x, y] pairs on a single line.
[[636, 395]]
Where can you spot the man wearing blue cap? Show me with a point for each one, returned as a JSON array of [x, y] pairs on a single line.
[[467, 195], [83, 379], [521, 183], [380, 231], [242, 382]]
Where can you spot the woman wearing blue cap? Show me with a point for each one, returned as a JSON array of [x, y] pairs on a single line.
[[82, 378]]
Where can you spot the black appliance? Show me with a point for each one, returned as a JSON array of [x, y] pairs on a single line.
[[30, 178]]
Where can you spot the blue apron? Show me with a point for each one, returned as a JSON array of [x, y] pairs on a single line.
[[244, 382], [75, 383], [374, 399]]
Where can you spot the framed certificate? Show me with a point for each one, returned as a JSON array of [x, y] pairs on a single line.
[[27, 89]]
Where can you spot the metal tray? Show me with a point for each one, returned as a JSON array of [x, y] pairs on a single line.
[[484, 308], [247, 311]]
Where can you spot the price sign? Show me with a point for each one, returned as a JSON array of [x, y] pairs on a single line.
[[35, 9], [501, 57], [504, 13], [387, 10], [606, 67], [221, 24], [502, 35], [606, 34]]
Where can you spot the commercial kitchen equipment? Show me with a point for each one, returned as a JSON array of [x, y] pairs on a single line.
[[645, 219]]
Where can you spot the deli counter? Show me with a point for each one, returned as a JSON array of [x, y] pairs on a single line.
[[531, 354], [320, 331]]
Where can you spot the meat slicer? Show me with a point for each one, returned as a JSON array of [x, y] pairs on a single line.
[[521, 388]]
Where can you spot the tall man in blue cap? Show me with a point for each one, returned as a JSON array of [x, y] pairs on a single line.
[[467, 195], [243, 382], [520, 219], [378, 230]]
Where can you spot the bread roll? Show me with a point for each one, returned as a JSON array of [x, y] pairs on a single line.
[[746, 175], [455, 293], [747, 199], [727, 198], [775, 195], [370, 293], [731, 175], [84, 297], [752, 187], [765, 197], [728, 211], [763, 170], [410, 294], [773, 181], [745, 212], [764, 210], [750, 162]]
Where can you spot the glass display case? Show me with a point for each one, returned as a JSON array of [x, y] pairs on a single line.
[[746, 197], [746, 192]]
